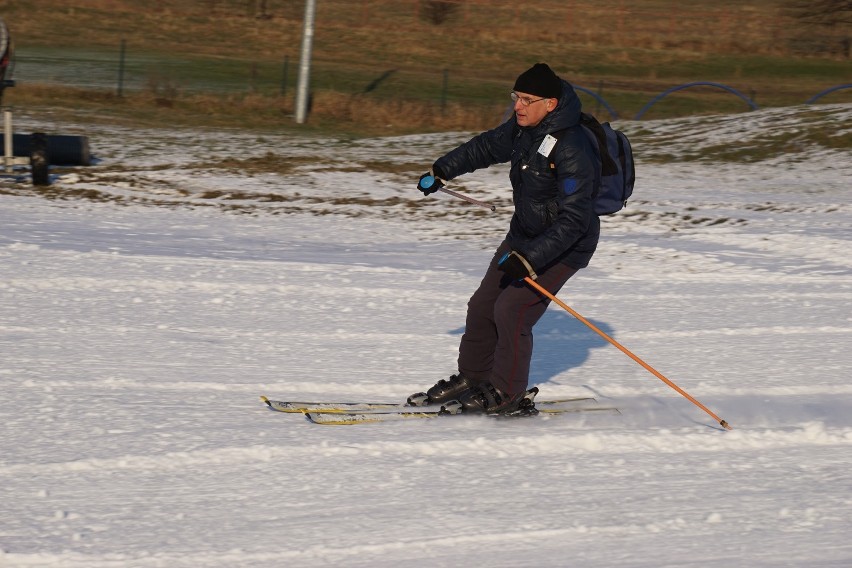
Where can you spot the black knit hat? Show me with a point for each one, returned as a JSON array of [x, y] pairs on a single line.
[[539, 80]]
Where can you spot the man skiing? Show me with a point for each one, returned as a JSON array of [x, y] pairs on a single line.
[[552, 234]]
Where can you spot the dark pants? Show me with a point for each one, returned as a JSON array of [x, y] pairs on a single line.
[[497, 343]]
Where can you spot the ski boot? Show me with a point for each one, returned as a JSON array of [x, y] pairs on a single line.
[[451, 407], [444, 390], [488, 399], [526, 407]]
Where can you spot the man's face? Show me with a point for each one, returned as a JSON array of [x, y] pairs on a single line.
[[530, 109]]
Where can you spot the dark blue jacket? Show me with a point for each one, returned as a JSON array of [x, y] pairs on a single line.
[[554, 219]]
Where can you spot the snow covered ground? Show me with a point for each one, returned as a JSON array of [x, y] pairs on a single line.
[[147, 302]]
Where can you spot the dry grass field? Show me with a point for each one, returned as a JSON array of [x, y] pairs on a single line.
[[392, 66]]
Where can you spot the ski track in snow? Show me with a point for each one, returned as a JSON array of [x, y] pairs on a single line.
[[144, 312]]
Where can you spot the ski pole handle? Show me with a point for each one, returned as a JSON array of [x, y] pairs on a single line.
[[427, 181], [430, 183]]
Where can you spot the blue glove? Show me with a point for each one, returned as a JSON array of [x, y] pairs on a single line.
[[429, 183], [516, 266]]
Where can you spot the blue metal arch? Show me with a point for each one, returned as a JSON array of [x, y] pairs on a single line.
[[600, 99], [750, 102], [827, 91]]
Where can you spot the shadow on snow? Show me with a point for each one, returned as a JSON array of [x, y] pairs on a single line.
[[560, 343]]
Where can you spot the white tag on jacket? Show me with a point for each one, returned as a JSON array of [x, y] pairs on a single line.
[[547, 146]]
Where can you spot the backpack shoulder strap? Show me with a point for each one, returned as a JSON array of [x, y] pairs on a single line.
[[591, 124], [608, 165]]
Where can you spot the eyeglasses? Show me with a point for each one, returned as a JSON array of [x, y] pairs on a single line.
[[526, 101]]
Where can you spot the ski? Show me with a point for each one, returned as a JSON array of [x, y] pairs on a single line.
[[348, 413], [300, 407], [346, 418], [350, 407]]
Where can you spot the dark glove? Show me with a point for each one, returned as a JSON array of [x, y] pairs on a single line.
[[429, 183], [516, 266]]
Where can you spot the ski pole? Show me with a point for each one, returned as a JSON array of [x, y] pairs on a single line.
[[467, 198], [626, 351], [428, 180]]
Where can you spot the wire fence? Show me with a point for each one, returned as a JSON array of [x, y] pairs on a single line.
[[653, 25], [168, 77], [122, 70]]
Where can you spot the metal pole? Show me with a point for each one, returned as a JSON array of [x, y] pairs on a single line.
[[284, 74], [8, 137], [121, 68], [303, 89], [444, 90]]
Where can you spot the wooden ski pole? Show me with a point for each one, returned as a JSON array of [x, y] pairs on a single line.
[[626, 351]]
